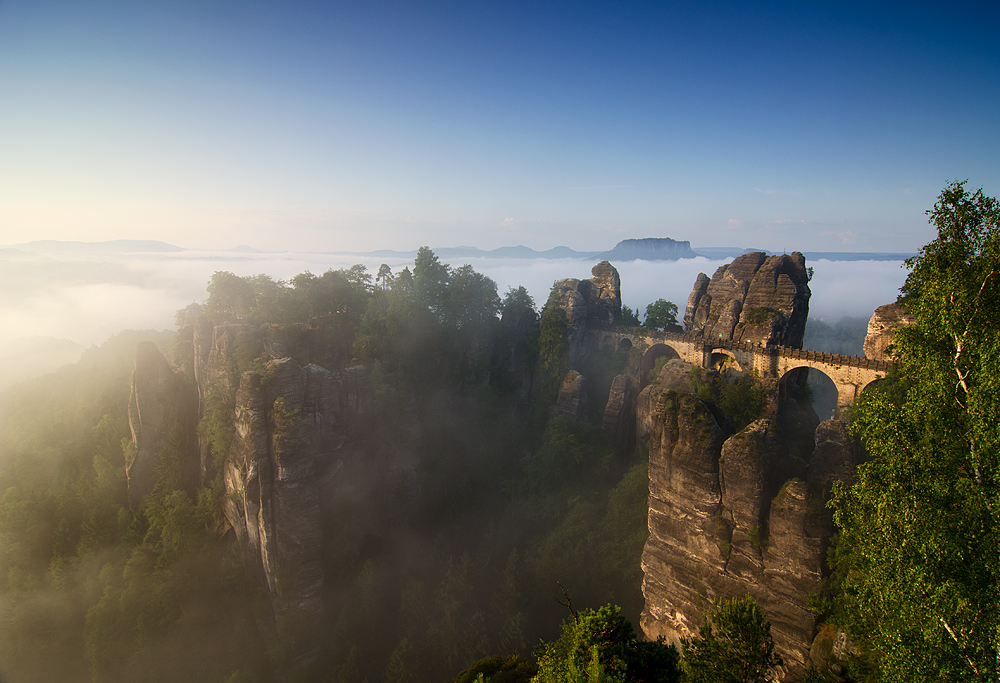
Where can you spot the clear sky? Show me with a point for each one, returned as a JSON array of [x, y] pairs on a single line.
[[365, 125]]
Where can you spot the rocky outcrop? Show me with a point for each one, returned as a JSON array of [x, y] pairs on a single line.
[[290, 424], [572, 401], [674, 376], [722, 523], [597, 300], [755, 298], [881, 328], [618, 421], [651, 249], [162, 414]]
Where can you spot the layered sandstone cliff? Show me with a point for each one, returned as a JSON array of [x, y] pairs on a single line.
[[724, 521], [755, 298]]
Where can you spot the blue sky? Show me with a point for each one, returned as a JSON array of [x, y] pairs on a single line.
[[358, 126]]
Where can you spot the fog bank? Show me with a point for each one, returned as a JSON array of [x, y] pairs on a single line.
[[86, 297]]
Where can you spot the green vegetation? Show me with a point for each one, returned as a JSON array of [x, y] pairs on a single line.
[[91, 590], [740, 400], [600, 646], [662, 315], [733, 645], [920, 530]]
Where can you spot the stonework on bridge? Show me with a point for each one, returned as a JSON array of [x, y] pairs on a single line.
[[850, 374]]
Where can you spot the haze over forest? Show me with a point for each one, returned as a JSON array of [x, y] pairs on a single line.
[[345, 475]]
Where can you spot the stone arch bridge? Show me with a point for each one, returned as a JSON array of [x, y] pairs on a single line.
[[850, 374]]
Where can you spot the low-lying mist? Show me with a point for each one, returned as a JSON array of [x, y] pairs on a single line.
[[86, 297]]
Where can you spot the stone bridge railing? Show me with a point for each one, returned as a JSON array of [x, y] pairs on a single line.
[[850, 374]]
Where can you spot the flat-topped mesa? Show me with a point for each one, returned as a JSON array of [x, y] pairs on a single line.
[[652, 249], [755, 298]]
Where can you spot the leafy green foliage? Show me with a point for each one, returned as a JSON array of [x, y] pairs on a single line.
[[511, 669], [92, 590], [741, 400], [553, 343], [600, 645], [628, 317], [733, 645], [921, 527], [662, 315]]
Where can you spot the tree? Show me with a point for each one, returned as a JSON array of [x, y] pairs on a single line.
[[733, 645], [516, 300], [920, 527], [600, 645], [628, 317], [553, 342], [662, 315]]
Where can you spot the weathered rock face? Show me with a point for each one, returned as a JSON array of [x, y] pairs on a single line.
[[162, 413], [881, 328], [755, 298], [597, 300], [674, 376], [618, 413], [722, 523], [572, 401], [290, 423]]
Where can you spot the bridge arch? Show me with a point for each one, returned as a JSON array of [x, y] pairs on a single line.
[[719, 358], [652, 354], [827, 396]]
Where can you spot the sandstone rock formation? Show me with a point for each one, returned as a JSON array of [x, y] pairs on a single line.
[[755, 298], [881, 328], [290, 425], [162, 413], [597, 300], [619, 421], [724, 523], [572, 401]]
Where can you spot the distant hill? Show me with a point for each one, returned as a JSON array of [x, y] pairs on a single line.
[[650, 249]]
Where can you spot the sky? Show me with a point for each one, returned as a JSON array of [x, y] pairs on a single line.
[[326, 126]]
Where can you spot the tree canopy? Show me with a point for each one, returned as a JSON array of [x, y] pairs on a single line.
[[662, 315], [921, 527], [733, 645]]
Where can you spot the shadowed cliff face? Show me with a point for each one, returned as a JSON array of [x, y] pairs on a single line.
[[723, 523], [755, 298], [162, 413]]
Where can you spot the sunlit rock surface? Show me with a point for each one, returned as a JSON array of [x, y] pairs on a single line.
[[755, 298], [723, 522], [596, 300], [882, 327]]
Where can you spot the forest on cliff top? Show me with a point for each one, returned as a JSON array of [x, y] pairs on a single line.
[[510, 514]]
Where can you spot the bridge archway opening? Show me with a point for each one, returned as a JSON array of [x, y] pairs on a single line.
[[653, 354], [625, 345], [724, 359], [805, 383]]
